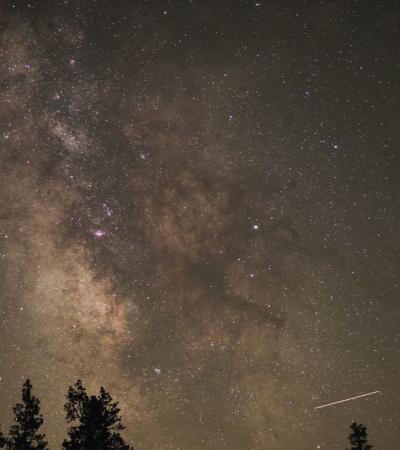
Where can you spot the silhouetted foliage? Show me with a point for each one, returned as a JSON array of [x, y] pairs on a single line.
[[358, 437], [24, 433], [98, 424], [2, 440]]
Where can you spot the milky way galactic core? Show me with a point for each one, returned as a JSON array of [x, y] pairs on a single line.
[[199, 210]]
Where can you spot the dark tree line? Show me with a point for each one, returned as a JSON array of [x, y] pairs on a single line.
[[95, 423], [358, 437]]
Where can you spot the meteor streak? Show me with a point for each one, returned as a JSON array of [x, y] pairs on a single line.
[[348, 399]]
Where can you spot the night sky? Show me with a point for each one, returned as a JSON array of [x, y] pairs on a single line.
[[199, 210]]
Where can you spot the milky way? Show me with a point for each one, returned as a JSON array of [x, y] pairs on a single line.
[[199, 209]]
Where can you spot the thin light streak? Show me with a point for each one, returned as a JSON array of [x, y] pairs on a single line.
[[348, 399]]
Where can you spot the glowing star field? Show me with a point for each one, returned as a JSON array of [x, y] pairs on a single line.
[[199, 210]]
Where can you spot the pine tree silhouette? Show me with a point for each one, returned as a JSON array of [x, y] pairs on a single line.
[[358, 437], [2, 440], [24, 433], [98, 422]]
